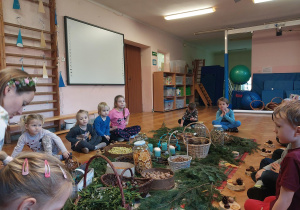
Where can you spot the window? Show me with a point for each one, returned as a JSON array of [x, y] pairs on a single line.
[[161, 61]]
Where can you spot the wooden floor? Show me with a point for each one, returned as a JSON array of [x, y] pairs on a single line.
[[255, 126]]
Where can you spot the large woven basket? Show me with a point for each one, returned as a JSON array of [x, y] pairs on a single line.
[[197, 150], [144, 184], [119, 184], [174, 166]]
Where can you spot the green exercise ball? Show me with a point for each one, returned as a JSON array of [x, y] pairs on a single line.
[[239, 74]]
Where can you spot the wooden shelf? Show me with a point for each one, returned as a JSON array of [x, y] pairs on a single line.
[[158, 91]]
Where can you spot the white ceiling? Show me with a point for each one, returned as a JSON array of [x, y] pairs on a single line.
[[228, 14]]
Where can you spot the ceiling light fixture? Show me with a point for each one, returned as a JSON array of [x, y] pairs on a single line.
[[190, 13], [260, 1]]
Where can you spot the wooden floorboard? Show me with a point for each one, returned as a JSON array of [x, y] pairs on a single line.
[[254, 126]]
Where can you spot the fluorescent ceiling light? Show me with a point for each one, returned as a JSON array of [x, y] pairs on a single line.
[[260, 1], [190, 13]]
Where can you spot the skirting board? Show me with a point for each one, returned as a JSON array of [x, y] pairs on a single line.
[[252, 111]]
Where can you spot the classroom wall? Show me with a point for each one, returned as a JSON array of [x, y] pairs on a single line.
[[281, 53], [135, 33]]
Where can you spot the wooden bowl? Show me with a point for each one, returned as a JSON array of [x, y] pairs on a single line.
[[108, 154], [233, 206], [161, 184], [237, 188]]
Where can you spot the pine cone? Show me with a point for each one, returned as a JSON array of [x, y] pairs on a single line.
[[225, 200], [263, 150], [269, 142], [239, 181], [227, 206]]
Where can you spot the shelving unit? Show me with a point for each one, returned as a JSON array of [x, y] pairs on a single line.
[[160, 84]]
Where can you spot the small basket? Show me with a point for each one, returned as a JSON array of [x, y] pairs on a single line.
[[125, 158], [258, 108], [144, 183], [161, 184], [72, 164], [108, 154], [271, 106], [178, 165], [198, 150]]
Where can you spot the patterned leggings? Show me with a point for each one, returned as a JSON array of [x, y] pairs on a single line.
[[50, 147], [125, 133]]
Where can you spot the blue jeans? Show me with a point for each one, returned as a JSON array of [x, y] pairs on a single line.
[[227, 125]]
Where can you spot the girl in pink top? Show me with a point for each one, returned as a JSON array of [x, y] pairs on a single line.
[[119, 119]]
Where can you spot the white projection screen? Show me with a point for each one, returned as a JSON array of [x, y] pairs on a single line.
[[95, 56]]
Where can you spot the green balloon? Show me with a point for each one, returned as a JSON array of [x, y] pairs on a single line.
[[239, 74]]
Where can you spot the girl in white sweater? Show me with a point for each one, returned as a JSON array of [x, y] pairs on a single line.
[[39, 139]]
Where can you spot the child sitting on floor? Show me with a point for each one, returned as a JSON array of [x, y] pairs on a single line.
[[225, 116], [190, 115], [79, 135], [39, 139], [287, 127], [119, 117], [102, 122], [34, 181]]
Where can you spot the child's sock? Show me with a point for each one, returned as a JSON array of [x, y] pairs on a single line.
[[258, 184], [101, 145]]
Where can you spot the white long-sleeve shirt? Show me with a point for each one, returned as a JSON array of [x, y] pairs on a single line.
[[35, 144]]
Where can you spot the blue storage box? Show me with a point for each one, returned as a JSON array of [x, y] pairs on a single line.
[[236, 99], [168, 104], [278, 85], [289, 92], [296, 85], [268, 95]]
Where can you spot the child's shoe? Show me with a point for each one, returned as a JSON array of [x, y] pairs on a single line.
[[120, 139], [85, 150], [101, 145], [258, 193]]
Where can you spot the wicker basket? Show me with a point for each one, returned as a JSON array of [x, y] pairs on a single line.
[[144, 184], [72, 164], [179, 165], [258, 108], [161, 184], [197, 150], [124, 205], [271, 106], [108, 154], [125, 158]]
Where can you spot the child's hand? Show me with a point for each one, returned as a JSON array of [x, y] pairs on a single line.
[[126, 123], [66, 154], [76, 143], [275, 167], [181, 125], [259, 173], [107, 137], [3, 155], [114, 128]]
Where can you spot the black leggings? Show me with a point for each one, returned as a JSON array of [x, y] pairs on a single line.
[[88, 144]]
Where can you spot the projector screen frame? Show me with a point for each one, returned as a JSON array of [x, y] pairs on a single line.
[[67, 53]]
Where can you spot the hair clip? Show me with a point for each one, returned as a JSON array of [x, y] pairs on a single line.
[[62, 170], [47, 169], [25, 170]]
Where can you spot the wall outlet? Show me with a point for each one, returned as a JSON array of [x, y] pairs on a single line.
[[63, 59]]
